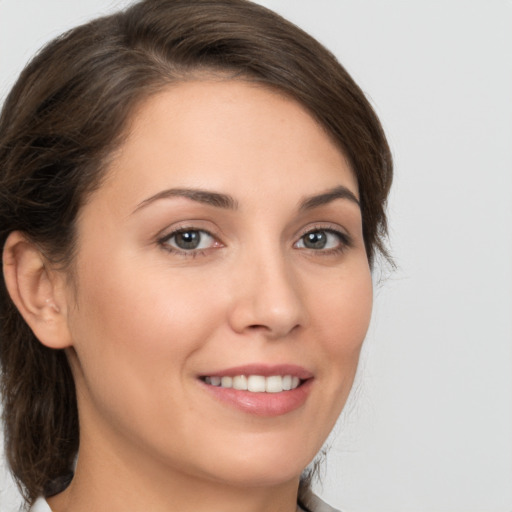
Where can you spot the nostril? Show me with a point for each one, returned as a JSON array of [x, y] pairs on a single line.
[[272, 332]]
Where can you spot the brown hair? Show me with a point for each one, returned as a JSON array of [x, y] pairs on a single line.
[[65, 116]]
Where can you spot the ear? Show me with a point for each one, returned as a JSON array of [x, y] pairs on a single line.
[[38, 291]]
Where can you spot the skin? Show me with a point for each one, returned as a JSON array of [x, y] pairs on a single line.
[[140, 322]]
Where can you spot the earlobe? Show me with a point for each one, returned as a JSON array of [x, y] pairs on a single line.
[[36, 290]]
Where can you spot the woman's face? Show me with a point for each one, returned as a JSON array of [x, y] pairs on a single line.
[[225, 246]]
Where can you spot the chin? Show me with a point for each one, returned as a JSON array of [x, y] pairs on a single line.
[[263, 464], [264, 475]]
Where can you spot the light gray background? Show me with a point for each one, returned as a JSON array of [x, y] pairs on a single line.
[[429, 427]]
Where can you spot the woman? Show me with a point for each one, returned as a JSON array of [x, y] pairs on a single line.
[[192, 197]]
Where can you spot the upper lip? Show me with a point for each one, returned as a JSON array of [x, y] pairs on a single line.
[[264, 370]]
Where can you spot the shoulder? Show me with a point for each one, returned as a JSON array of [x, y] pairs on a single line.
[[40, 505]]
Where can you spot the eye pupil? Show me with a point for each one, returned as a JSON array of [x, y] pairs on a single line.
[[188, 239], [315, 240]]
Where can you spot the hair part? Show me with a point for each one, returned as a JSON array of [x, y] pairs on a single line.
[[63, 121]]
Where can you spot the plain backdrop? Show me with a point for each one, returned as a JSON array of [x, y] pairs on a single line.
[[429, 424]]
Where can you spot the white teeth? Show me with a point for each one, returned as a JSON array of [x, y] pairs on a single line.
[[215, 381], [240, 382], [226, 382], [274, 384], [287, 382], [256, 383]]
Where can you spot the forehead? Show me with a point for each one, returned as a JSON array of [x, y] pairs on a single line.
[[229, 135]]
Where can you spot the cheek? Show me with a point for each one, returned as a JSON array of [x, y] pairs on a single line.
[[135, 335], [340, 315], [346, 307], [135, 322], [343, 311]]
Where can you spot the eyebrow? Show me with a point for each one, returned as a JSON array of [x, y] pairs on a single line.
[[225, 201], [201, 196], [339, 192]]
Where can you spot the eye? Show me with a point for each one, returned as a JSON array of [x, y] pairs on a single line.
[[323, 240], [189, 240]]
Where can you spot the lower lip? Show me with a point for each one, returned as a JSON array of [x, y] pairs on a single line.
[[262, 404]]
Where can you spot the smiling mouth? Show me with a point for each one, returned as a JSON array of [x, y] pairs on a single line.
[[255, 383]]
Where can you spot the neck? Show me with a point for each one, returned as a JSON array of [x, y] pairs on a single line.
[[120, 481]]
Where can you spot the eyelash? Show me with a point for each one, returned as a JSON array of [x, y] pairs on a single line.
[[345, 241], [192, 253]]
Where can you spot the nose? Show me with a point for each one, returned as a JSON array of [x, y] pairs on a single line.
[[267, 297]]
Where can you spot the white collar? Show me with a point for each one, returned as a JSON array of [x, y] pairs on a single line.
[[40, 505]]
